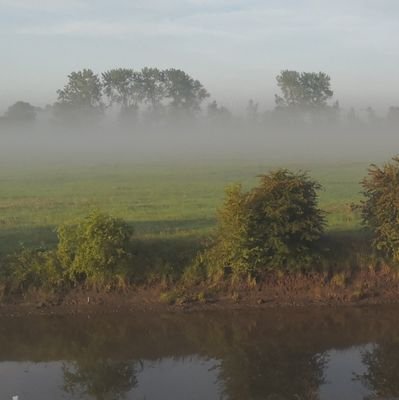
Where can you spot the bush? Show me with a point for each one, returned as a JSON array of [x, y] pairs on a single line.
[[95, 250], [32, 269], [380, 210], [274, 226]]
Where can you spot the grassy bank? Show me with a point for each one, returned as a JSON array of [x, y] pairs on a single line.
[[171, 208]]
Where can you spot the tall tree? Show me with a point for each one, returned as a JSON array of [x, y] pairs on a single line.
[[121, 86], [184, 92], [305, 90], [152, 88], [81, 95]]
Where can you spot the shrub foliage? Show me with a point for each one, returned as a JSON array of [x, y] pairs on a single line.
[[92, 251], [31, 269], [380, 210], [95, 249], [274, 226]]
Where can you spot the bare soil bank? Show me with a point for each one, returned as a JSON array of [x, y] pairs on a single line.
[[361, 288]]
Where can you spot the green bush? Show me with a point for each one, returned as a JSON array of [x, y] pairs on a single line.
[[27, 269], [274, 226], [95, 249], [380, 210]]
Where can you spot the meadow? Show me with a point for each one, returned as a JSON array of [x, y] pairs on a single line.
[[164, 201]]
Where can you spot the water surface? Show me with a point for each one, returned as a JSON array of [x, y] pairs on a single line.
[[328, 354]]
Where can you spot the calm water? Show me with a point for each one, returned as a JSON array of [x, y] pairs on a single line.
[[345, 353]]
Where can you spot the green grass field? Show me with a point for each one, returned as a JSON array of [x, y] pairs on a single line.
[[160, 200]]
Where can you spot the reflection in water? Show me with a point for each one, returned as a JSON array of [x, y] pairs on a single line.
[[264, 367], [382, 374], [272, 354], [100, 379], [339, 372]]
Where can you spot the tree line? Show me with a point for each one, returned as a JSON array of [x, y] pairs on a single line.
[[86, 95], [155, 94]]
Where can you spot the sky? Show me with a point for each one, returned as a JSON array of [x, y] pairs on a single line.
[[234, 47]]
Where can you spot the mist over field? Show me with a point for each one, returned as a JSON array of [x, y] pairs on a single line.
[[209, 134], [235, 49], [197, 141]]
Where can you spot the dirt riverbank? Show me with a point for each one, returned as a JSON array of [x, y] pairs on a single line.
[[365, 287]]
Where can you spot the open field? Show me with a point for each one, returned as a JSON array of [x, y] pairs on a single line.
[[162, 201]]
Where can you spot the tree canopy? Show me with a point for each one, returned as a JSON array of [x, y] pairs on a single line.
[[303, 90], [184, 92], [82, 95], [121, 87], [149, 89]]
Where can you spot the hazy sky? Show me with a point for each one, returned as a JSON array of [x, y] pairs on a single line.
[[235, 47]]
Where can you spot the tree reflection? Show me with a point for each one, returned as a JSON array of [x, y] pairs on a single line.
[[272, 373], [99, 379], [263, 360], [382, 375], [268, 354]]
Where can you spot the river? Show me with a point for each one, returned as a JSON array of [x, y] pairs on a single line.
[[275, 354]]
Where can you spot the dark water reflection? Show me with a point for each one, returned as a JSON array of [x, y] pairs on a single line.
[[344, 353]]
